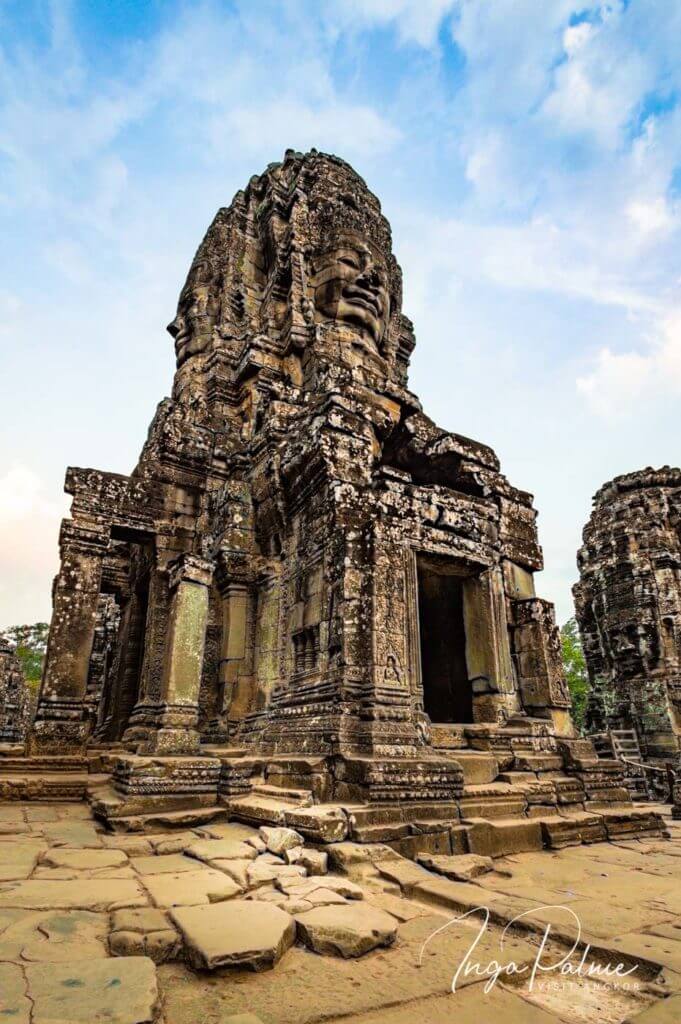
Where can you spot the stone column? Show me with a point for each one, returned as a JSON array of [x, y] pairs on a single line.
[[541, 677], [236, 675], [61, 722], [488, 652], [189, 579]]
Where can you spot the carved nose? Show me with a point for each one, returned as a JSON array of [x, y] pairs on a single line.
[[369, 276], [173, 327]]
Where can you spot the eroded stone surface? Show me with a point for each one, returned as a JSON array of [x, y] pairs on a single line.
[[146, 932], [114, 991], [347, 931], [316, 862], [277, 840], [233, 830], [237, 934], [83, 860], [14, 1003], [220, 849], [87, 894], [461, 868], [54, 936], [303, 887], [168, 863], [190, 887], [259, 873]]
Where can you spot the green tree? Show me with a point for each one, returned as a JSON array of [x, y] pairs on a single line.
[[575, 669], [30, 644]]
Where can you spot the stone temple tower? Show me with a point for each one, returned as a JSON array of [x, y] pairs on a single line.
[[628, 603], [304, 578]]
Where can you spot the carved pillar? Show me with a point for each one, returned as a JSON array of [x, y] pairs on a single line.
[[488, 653], [62, 723], [149, 669], [236, 671], [189, 580], [121, 695], [543, 689]]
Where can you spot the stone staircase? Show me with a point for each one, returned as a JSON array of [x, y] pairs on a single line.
[[517, 791], [513, 801], [42, 778]]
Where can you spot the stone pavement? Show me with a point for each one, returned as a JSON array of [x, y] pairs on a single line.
[[225, 924]]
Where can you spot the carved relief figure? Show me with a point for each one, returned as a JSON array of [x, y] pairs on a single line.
[[351, 285]]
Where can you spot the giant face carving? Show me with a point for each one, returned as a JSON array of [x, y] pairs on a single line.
[[351, 286], [192, 327]]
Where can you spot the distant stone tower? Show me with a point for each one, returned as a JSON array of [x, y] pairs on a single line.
[[628, 603], [14, 701]]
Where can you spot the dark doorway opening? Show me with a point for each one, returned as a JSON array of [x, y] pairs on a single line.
[[447, 692]]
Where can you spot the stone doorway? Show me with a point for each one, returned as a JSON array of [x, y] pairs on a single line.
[[447, 690]]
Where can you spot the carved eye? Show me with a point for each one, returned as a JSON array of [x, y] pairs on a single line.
[[349, 261]]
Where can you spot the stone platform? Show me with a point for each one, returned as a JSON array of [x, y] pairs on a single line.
[[131, 929]]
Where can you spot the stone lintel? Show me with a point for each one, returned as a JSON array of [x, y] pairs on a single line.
[[190, 568]]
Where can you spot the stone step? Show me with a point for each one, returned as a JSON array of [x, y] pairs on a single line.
[[43, 763], [492, 807], [446, 736], [181, 820], [478, 767], [11, 750], [537, 762], [502, 837], [44, 786], [258, 810], [380, 814], [295, 796]]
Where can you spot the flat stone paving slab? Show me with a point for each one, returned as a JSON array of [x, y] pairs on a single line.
[[144, 932], [122, 990], [347, 931], [83, 860], [238, 933], [167, 863], [467, 1007], [228, 830], [462, 868], [221, 849], [17, 860], [77, 834], [14, 1004], [53, 935], [190, 888], [307, 988], [86, 894]]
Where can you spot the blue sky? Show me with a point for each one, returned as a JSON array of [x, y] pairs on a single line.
[[527, 153]]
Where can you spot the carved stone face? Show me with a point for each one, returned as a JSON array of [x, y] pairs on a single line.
[[193, 325], [351, 286]]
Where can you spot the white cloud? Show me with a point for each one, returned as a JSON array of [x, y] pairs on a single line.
[[652, 216], [281, 124], [537, 256], [415, 20], [576, 36], [29, 525], [618, 379]]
